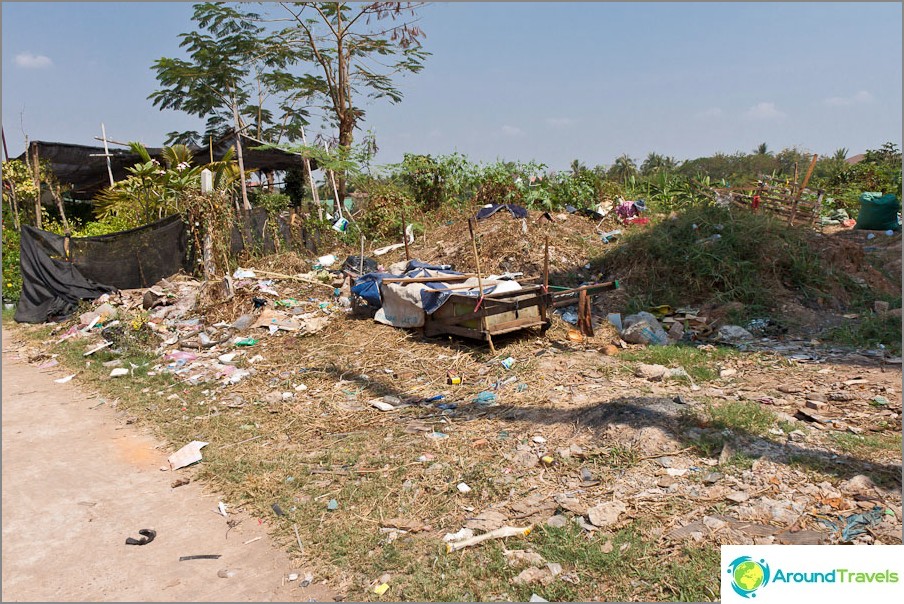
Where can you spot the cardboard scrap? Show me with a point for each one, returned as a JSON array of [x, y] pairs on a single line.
[[187, 455]]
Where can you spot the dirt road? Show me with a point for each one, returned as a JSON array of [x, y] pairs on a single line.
[[77, 482]]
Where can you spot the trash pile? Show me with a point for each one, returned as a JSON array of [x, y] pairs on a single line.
[[170, 319]]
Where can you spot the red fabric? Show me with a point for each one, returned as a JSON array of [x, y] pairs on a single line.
[[637, 220], [756, 202]]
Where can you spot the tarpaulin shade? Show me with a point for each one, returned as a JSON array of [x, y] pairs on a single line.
[[85, 169]]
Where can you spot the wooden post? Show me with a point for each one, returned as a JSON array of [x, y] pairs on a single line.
[[12, 185], [405, 236], [585, 320], [238, 151], [546, 264], [483, 319], [307, 167], [103, 133], [803, 186], [35, 166]]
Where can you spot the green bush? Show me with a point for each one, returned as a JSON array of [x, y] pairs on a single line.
[[12, 276], [719, 255]]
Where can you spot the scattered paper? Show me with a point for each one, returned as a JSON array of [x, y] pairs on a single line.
[[119, 372], [187, 455], [63, 380], [379, 404]]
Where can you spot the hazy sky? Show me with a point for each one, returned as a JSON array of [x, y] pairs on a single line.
[[544, 81]]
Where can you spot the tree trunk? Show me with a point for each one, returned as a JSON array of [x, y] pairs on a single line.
[[346, 132], [238, 152], [35, 165]]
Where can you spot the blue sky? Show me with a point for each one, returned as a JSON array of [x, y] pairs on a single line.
[[529, 81]]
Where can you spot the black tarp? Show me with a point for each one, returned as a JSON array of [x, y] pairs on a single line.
[[84, 167], [53, 284]]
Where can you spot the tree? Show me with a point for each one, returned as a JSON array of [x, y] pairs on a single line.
[[623, 168], [577, 166], [840, 154], [656, 163], [356, 51], [234, 70], [761, 149]]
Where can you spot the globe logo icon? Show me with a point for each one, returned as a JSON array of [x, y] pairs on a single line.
[[748, 575]]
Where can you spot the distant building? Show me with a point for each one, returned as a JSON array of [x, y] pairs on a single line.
[[855, 159]]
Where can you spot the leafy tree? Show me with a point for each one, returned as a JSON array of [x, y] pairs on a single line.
[[357, 50], [840, 154], [762, 149], [232, 72]]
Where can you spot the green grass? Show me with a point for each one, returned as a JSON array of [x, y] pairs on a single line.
[[701, 365], [864, 445], [756, 260], [740, 416], [869, 332]]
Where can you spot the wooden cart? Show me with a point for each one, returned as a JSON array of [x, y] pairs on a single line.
[[505, 312]]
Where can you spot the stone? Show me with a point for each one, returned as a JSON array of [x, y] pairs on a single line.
[[533, 575], [607, 513], [733, 333], [653, 373], [713, 523], [519, 558], [557, 521], [665, 462], [571, 504], [817, 405], [609, 350], [725, 373], [738, 496], [858, 485], [665, 482], [487, 521], [643, 328], [525, 459], [712, 478], [790, 389]]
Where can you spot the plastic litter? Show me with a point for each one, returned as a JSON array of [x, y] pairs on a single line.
[[485, 398], [244, 273]]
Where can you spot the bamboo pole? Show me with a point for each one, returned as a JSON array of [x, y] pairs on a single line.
[[803, 186], [103, 133], [483, 319]]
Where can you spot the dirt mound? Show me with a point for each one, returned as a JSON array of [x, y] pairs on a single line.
[[508, 244]]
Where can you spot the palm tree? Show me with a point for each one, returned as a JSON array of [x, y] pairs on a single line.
[[762, 149], [577, 167], [655, 163], [840, 154], [623, 168]]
